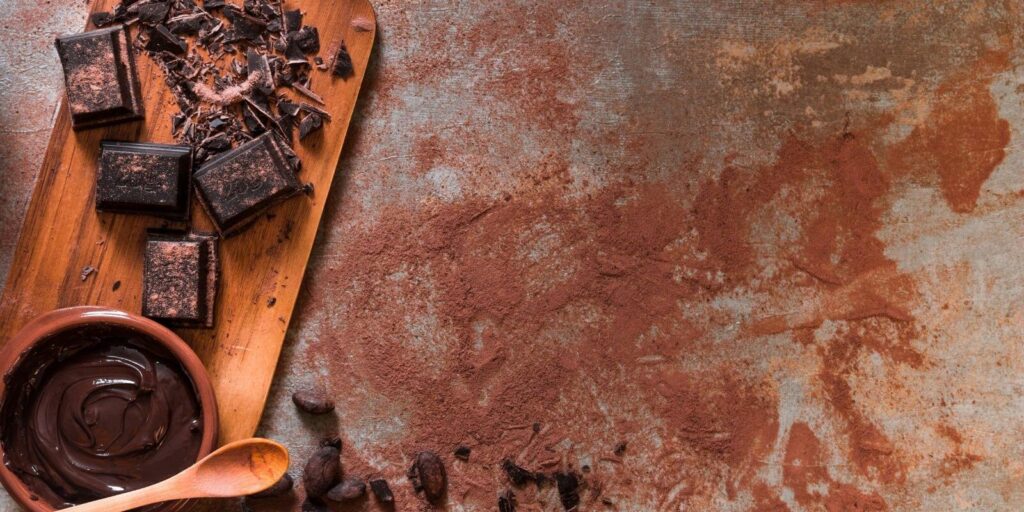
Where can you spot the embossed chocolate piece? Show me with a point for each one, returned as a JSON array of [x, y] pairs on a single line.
[[153, 179], [237, 186], [180, 278]]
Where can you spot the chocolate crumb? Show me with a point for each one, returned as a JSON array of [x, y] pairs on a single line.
[[87, 271], [462, 452], [271, 301], [620, 449], [117, 286]]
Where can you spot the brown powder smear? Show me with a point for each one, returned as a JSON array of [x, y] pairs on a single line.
[[963, 139], [805, 470]]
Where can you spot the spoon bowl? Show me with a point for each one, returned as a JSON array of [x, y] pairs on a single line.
[[235, 469]]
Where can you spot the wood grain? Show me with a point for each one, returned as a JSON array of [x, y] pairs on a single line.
[[63, 233]]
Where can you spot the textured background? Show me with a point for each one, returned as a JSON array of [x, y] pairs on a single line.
[[775, 246]]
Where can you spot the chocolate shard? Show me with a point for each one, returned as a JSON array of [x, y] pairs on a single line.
[[100, 77], [237, 186], [213, 4], [245, 26], [186, 23], [306, 38], [342, 66], [382, 490], [311, 123], [517, 474], [292, 21], [176, 276], [162, 40], [568, 489], [153, 13], [287, 108], [152, 179], [507, 501]]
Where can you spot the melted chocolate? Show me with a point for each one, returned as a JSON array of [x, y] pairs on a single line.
[[96, 411]]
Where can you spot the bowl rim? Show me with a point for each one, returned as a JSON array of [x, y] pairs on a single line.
[[62, 319]]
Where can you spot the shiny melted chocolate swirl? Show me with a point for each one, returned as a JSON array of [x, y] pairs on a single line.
[[98, 411]]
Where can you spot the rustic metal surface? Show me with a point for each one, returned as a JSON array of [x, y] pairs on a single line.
[[773, 245]]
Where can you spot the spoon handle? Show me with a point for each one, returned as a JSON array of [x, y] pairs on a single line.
[[164, 491]]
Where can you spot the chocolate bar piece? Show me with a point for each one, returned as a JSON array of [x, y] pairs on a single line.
[[235, 187], [179, 284], [154, 179], [100, 77]]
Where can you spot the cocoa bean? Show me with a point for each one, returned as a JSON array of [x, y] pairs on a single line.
[[349, 489], [322, 471], [427, 474], [312, 402]]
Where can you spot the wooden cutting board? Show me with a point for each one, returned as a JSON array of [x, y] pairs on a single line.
[[262, 268]]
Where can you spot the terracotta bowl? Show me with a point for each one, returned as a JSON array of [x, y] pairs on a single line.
[[69, 318]]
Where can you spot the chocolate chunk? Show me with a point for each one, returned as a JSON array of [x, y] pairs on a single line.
[[237, 186], [245, 26], [349, 489], [101, 19], [507, 501], [186, 23], [153, 13], [312, 402], [154, 179], [180, 278], [322, 471], [306, 38], [462, 452], [342, 66], [382, 490], [311, 123], [292, 20], [427, 474], [568, 489], [100, 77], [162, 40], [280, 488], [516, 473]]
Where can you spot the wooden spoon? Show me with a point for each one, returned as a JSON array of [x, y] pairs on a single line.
[[236, 469]]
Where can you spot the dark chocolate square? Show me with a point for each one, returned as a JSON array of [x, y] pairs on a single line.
[[153, 179], [100, 78], [179, 284], [237, 186]]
